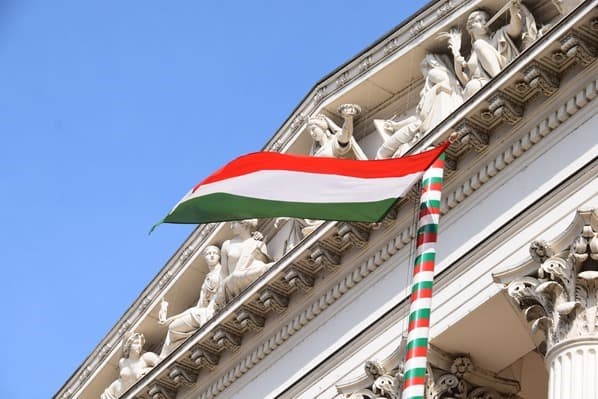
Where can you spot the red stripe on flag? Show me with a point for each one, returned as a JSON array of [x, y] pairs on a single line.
[[418, 351], [424, 267], [426, 238], [429, 211], [260, 161], [417, 323], [421, 293], [432, 187], [414, 381]]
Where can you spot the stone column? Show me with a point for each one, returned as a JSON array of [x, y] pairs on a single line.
[[573, 367], [561, 300]]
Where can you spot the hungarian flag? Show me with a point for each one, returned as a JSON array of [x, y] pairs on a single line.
[[271, 184]]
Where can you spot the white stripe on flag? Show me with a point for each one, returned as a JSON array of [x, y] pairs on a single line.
[[294, 186]]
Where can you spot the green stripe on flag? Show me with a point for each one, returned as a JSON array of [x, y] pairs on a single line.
[[431, 180], [429, 204], [419, 314], [425, 257], [417, 343], [422, 285], [415, 372], [221, 207], [428, 228]]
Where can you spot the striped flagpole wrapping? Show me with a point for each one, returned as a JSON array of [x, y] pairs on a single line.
[[423, 279]]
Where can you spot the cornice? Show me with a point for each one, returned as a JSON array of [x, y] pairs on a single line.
[[403, 238], [345, 234], [365, 63]]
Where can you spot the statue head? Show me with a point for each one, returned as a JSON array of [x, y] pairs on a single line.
[[317, 126], [212, 255], [476, 23], [429, 62], [132, 343], [248, 224]]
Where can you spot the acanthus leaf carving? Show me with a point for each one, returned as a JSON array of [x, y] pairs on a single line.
[[540, 78], [506, 108], [226, 339], [249, 320], [448, 377], [561, 298], [579, 49], [274, 300], [473, 136], [324, 257], [182, 375], [299, 279], [202, 357], [353, 234], [158, 390]]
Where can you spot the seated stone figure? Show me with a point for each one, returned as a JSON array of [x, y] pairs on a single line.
[[244, 259], [440, 96], [133, 365], [183, 325], [330, 140], [492, 51]]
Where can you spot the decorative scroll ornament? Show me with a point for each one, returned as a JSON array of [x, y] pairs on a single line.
[[561, 298], [448, 377]]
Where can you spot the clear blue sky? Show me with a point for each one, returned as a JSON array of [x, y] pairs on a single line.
[[110, 110]]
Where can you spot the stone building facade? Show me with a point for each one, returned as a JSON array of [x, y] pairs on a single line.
[[515, 306]]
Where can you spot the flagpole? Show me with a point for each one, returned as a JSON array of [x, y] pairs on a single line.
[[414, 378]]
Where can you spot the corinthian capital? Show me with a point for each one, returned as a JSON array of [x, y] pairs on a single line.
[[561, 297]]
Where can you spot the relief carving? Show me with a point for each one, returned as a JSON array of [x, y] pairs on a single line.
[[561, 298], [491, 51], [448, 377]]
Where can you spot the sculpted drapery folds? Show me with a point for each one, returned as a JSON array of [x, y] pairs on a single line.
[[329, 140], [183, 325], [492, 51], [133, 365], [244, 259], [440, 96]]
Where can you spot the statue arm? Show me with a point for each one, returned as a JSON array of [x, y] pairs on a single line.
[[150, 359], [224, 271], [459, 64], [441, 81], [342, 135], [202, 302], [515, 24]]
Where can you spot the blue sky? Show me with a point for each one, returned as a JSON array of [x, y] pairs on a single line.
[[110, 110]]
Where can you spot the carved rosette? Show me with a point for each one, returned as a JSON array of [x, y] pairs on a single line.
[[448, 377], [456, 382], [561, 298]]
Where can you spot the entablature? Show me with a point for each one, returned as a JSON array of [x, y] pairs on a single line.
[[530, 79]]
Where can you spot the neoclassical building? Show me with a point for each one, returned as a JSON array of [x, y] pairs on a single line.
[[291, 308]]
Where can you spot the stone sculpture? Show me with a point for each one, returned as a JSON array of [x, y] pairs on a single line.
[[491, 51], [440, 96], [330, 140], [244, 259], [133, 365], [183, 325]]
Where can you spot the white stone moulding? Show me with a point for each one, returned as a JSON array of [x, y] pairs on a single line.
[[462, 187]]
